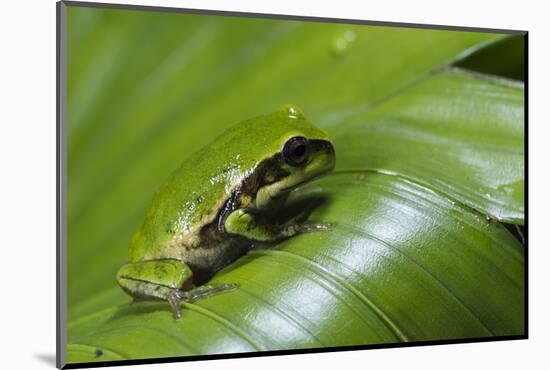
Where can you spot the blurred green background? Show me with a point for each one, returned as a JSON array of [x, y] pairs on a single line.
[[428, 116]]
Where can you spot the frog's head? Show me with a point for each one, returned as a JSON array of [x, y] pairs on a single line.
[[302, 152]]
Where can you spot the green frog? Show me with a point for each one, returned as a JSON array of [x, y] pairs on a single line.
[[220, 201]]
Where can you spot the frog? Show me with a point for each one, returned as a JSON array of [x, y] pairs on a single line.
[[221, 201]]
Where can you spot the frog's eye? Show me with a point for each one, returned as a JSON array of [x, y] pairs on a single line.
[[296, 151]]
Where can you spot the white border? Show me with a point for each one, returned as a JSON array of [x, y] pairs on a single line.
[[28, 182]]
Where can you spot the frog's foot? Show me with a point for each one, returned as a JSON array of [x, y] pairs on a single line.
[[168, 280], [241, 222], [297, 225], [177, 296], [291, 229], [309, 228], [174, 299]]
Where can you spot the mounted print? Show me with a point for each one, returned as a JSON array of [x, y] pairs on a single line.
[[235, 184]]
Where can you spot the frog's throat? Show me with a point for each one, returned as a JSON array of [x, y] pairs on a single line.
[[268, 195]]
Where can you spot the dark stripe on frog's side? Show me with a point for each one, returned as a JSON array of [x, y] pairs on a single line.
[[259, 178], [221, 248], [217, 248], [250, 186]]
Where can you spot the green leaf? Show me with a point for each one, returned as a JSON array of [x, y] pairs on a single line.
[[83, 353], [425, 154], [402, 263], [458, 133], [504, 57]]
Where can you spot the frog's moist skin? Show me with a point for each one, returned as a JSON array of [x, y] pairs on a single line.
[[221, 200]]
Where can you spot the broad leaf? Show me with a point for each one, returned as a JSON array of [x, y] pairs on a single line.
[[401, 263], [458, 133]]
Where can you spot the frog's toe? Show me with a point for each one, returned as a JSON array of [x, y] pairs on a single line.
[[174, 298], [308, 228], [223, 287], [204, 291]]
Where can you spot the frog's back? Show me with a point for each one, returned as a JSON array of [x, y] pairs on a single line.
[[191, 196], [195, 192]]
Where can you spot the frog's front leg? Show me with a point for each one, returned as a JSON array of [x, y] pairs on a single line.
[[255, 227], [166, 279]]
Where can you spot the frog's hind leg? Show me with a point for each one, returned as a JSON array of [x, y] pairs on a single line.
[[166, 279], [155, 279]]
